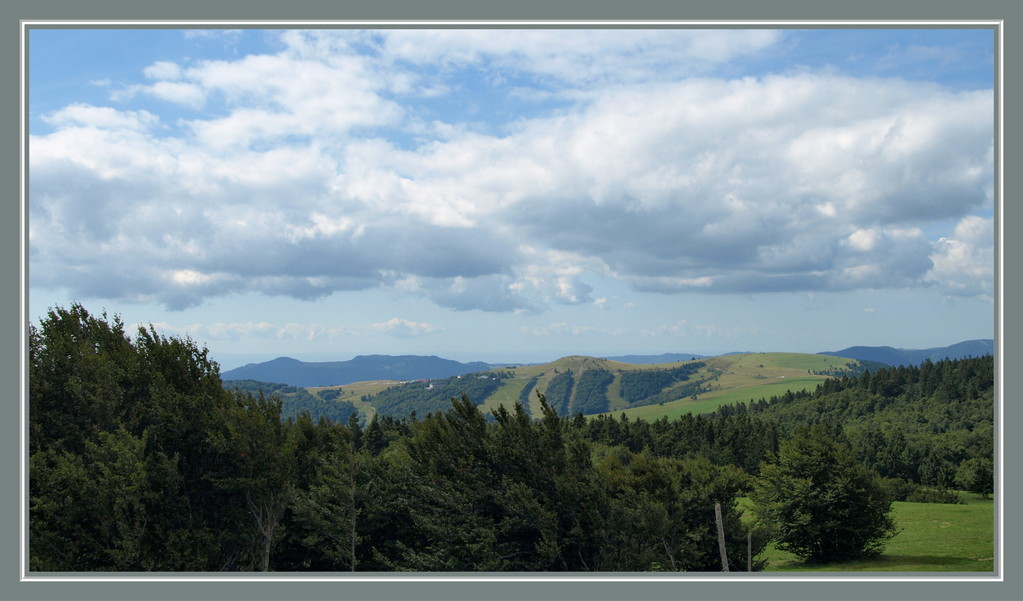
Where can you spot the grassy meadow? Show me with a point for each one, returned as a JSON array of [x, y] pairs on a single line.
[[933, 537], [740, 378], [728, 378]]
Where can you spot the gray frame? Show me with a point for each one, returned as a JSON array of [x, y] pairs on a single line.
[[437, 586]]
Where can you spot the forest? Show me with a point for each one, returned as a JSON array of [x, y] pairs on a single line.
[[433, 396], [140, 459], [295, 399]]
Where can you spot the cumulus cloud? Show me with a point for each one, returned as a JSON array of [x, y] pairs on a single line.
[[284, 95], [709, 176], [490, 293], [964, 262], [310, 172], [404, 328], [80, 115], [162, 70], [578, 57], [178, 93]]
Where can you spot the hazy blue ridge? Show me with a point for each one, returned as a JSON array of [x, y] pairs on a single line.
[[895, 357], [417, 367], [362, 368]]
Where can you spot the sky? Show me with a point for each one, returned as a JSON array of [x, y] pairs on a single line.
[[515, 195]]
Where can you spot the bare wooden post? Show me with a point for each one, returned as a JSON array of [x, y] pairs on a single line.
[[721, 537]]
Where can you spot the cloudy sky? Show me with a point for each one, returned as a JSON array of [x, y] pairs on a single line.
[[516, 195]]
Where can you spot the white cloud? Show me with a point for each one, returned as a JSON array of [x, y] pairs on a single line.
[[178, 92], [862, 240], [311, 173], [486, 293], [297, 331], [882, 258], [189, 277], [281, 96], [678, 328], [964, 262], [84, 115], [404, 328], [163, 70], [690, 184], [578, 57]]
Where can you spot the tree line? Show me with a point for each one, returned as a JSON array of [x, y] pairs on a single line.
[[925, 429], [295, 399], [434, 395], [648, 387], [141, 460]]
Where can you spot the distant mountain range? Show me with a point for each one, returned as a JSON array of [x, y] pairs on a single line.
[[895, 357], [293, 372], [286, 370]]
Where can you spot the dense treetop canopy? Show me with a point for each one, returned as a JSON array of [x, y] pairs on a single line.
[[141, 460]]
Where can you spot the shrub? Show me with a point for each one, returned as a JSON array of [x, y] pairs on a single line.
[[926, 494]]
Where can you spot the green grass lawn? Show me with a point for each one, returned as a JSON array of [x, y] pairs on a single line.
[[934, 537], [507, 394], [794, 360], [742, 378], [710, 401]]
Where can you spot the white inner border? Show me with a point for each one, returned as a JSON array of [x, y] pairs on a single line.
[[997, 25]]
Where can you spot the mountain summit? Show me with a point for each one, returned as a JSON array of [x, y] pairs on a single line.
[[894, 356], [286, 370]]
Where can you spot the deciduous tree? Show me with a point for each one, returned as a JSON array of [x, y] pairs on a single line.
[[825, 505]]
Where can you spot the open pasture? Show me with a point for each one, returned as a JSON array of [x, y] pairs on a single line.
[[933, 537], [741, 378]]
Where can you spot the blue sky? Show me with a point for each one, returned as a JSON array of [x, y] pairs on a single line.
[[516, 195]]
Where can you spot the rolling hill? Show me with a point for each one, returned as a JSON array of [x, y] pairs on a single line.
[[632, 385], [590, 385], [895, 357], [662, 358], [362, 368]]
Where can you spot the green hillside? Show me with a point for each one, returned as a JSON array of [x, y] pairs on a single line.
[[143, 460], [741, 378], [591, 386]]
